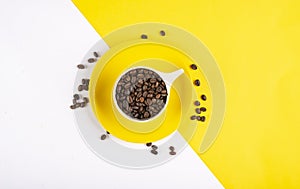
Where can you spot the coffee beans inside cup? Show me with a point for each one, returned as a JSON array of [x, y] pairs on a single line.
[[141, 93]]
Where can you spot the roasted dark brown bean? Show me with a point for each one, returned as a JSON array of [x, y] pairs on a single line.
[[80, 66], [197, 103], [193, 66], [91, 60], [149, 144], [96, 54], [162, 33]]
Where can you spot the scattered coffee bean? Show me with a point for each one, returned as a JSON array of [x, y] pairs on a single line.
[[74, 101], [193, 66], [172, 153], [85, 99], [149, 144], [172, 148], [80, 87], [77, 105], [82, 104], [107, 132], [96, 54], [143, 36], [80, 66], [91, 60], [197, 82], [76, 96], [197, 103], [162, 33], [154, 152], [154, 147], [198, 118], [203, 109], [145, 97], [193, 117], [73, 106], [84, 81], [197, 110], [103, 137], [203, 97], [202, 118]]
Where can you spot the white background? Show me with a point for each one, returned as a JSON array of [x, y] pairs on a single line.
[[41, 42]]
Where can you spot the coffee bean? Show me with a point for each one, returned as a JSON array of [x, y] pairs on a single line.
[[149, 101], [129, 99], [193, 66], [77, 105], [103, 137], [172, 153], [140, 76], [152, 80], [148, 144], [80, 87], [198, 118], [203, 97], [145, 94], [143, 36], [73, 106], [82, 104], [127, 86], [145, 87], [83, 81], [164, 91], [203, 109], [140, 70], [107, 132], [156, 84], [197, 103], [162, 33], [74, 101], [154, 152], [142, 99], [133, 80], [197, 110], [146, 114], [154, 147], [85, 99], [202, 118], [80, 66], [91, 60], [159, 89], [172, 148], [76, 96], [197, 82], [96, 54], [157, 96]]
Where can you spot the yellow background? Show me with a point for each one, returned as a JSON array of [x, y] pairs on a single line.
[[257, 46]]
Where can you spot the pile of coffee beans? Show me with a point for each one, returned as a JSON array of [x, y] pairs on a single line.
[[141, 93], [77, 102]]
